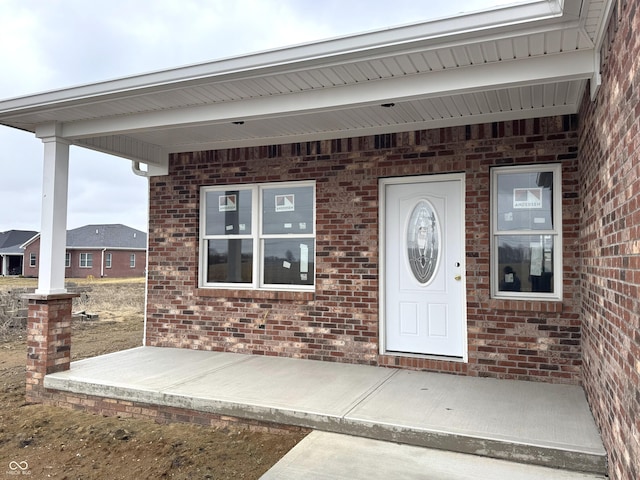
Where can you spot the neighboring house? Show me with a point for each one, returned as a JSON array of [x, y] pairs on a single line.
[[97, 250], [11, 251], [459, 196]]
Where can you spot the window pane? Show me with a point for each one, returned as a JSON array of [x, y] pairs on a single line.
[[287, 210], [525, 263], [423, 242], [525, 201], [228, 212], [230, 261], [86, 260], [288, 261]]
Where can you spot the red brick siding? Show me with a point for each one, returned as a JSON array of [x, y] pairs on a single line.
[[48, 342], [120, 266], [523, 340], [610, 243], [27, 269], [110, 407]]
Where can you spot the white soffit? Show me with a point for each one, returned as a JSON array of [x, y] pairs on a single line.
[[522, 61]]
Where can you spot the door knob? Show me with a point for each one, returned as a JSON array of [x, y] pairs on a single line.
[[458, 277]]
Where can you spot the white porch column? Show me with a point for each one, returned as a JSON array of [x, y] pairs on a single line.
[[53, 229]]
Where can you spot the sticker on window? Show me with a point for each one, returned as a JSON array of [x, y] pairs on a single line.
[[227, 203], [527, 198], [285, 203], [304, 258]]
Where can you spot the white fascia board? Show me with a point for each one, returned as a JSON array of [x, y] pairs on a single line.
[[510, 17], [30, 241], [575, 65]]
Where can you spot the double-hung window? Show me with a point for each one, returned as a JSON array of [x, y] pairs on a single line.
[[526, 224], [259, 236], [86, 260]]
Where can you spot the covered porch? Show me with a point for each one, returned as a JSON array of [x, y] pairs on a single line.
[[533, 423], [529, 61]]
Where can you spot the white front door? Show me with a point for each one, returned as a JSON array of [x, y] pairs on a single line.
[[424, 289]]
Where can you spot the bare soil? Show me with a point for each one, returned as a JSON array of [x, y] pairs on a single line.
[[48, 442]]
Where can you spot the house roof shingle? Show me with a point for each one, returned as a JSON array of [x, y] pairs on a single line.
[[11, 241], [106, 236]]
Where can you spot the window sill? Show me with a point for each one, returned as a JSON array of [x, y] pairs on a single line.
[[528, 305], [256, 294]]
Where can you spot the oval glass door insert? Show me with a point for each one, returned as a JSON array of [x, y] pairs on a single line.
[[423, 242]]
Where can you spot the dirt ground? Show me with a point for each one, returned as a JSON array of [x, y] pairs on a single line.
[[48, 442]]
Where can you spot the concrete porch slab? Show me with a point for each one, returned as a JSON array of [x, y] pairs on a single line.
[[527, 422], [550, 423], [275, 389], [331, 456]]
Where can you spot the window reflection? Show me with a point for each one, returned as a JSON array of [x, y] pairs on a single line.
[[525, 263], [230, 261], [288, 261]]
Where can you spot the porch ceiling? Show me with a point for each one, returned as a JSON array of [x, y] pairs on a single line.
[[526, 60]]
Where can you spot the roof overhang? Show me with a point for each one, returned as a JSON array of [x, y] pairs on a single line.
[[526, 60]]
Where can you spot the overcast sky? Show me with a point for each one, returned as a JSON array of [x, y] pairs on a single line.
[[51, 44]]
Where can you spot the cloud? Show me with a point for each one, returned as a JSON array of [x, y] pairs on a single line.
[[103, 189], [23, 66]]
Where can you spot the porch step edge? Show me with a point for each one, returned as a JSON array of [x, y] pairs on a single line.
[[334, 456], [553, 457]]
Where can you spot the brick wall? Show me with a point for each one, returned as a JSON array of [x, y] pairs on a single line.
[[48, 342], [110, 407], [339, 322], [120, 263], [610, 242]]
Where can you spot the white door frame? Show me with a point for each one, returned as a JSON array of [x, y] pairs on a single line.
[[382, 183]]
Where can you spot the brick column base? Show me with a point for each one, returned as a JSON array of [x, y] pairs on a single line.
[[48, 340]]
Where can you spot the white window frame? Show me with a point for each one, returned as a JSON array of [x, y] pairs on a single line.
[[86, 260], [108, 259], [67, 260], [555, 232], [132, 260], [256, 236], [33, 260]]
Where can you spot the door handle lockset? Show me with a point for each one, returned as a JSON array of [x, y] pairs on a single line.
[[458, 277]]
